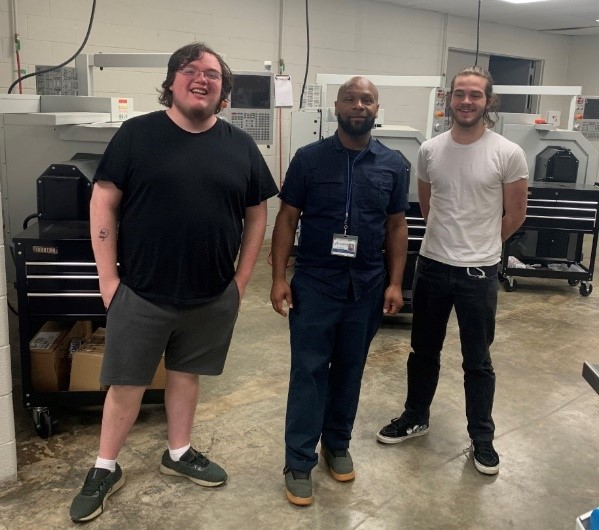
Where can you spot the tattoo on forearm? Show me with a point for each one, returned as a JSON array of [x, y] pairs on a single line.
[[103, 233]]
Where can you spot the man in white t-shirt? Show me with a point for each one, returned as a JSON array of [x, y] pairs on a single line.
[[472, 187]]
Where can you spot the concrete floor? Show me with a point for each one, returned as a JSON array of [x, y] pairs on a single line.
[[547, 419]]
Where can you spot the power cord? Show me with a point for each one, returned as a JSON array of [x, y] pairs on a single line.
[[89, 29], [477, 33], [301, 104]]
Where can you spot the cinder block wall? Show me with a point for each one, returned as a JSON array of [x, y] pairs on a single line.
[[8, 447]]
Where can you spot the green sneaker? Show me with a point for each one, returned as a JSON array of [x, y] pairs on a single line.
[[340, 463], [194, 466], [98, 486], [298, 487]]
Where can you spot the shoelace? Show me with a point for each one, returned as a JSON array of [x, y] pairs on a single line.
[[399, 423], [199, 458], [92, 485], [485, 449]]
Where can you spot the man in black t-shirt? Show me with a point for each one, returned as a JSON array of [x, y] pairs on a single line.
[[189, 191]]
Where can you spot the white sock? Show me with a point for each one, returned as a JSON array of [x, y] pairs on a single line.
[[106, 464], [176, 454]]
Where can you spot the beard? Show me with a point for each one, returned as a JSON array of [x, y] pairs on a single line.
[[358, 129], [193, 114], [472, 121]]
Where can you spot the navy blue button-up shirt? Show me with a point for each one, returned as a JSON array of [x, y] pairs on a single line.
[[317, 184]]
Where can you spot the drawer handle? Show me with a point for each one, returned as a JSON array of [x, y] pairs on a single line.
[[61, 277], [60, 263], [72, 295]]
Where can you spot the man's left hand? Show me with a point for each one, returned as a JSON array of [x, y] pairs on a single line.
[[393, 300]]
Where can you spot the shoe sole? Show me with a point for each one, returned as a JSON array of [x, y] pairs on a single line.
[[339, 477], [486, 470], [168, 471], [342, 478], [387, 440], [298, 501], [116, 487]]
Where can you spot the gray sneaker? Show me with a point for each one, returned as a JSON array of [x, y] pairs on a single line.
[[298, 487], [194, 466], [98, 486], [340, 463]]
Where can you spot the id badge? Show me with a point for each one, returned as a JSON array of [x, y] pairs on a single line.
[[344, 246]]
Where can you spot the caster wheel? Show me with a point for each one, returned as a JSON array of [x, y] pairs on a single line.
[[43, 424], [586, 289], [509, 285], [573, 283]]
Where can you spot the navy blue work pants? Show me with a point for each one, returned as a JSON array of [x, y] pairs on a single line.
[[329, 345], [473, 292]]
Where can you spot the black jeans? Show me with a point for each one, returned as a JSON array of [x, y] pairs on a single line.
[[473, 292]]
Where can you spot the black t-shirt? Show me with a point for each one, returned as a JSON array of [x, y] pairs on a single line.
[[184, 200]]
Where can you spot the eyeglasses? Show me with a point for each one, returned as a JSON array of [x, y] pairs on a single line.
[[212, 75]]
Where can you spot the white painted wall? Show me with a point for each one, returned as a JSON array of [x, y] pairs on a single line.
[[8, 446], [582, 64]]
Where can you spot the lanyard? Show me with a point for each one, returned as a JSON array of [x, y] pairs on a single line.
[[350, 172]]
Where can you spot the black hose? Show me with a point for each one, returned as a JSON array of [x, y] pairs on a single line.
[[307, 57], [89, 29], [477, 33]]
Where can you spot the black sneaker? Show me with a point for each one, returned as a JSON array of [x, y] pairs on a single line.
[[401, 429], [298, 487], [486, 459], [98, 486], [194, 466]]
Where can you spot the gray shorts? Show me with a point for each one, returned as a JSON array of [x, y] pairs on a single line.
[[194, 339]]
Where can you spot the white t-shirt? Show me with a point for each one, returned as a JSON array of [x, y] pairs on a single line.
[[464, 223]]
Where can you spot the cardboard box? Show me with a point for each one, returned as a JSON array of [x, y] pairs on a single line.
[[87, 363], [49, 354], [159, 379], [85, 369]]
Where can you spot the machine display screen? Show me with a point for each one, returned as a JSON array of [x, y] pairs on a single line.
[[250, 92], [591, 109]]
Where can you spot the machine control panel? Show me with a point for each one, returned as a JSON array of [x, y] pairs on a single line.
[[586, 116], [258, 124], [440, 115], [252, 104]]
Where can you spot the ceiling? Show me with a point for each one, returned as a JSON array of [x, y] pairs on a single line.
[[566, 17]]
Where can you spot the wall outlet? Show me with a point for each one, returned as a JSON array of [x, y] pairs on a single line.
[[553, 117]]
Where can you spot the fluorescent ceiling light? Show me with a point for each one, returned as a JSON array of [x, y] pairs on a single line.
[[523, 1]]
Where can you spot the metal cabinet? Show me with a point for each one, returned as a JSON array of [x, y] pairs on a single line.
[[591, 374], [416, 229], [550, 242], [57, 279]]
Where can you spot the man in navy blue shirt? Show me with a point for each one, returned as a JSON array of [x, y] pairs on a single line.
[[350, 192]]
